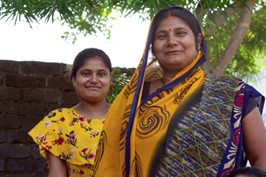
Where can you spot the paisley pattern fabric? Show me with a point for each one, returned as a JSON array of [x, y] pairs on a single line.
[[71, 137]]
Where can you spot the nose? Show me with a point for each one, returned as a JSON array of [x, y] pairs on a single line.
[[171, 39], [94, 78]]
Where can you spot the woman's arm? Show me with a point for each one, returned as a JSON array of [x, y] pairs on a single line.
[[57, 166], [255, 138]]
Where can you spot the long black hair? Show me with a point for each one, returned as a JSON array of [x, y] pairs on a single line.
[[86, 54]]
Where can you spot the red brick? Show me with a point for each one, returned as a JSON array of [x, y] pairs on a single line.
[[42, 95], [18, 136], [9, 93], [24, 81], [2, 79], [14, 150], [60, 82], [14, 108], [7, 66], [41, 68], [70, 97], [10, 122]]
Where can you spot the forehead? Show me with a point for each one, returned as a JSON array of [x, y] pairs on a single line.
[[94, 63], [172, 22]]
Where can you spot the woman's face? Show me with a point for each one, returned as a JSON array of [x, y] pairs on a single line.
[[92, 81], [174, 44]]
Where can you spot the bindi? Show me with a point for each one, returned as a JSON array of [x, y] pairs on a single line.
[[169, 15]]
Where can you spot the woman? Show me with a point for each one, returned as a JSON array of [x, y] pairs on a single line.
[[173, 120], [68, 137]]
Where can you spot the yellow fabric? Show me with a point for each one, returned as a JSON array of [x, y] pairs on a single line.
[[148, 130], [70, 137]]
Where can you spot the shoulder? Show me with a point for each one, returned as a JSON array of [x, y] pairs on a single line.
[[222, 83], [223, 79], [60, 114], [59, 111]]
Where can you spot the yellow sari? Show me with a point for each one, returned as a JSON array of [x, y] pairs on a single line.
[[150, 123], [136, 129]]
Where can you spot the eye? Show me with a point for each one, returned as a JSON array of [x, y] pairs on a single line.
[[102, 73], [180, 33], [85, 73], [161, 35]]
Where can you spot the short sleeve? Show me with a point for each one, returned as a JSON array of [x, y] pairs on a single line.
[[251, 104], [68, 136]]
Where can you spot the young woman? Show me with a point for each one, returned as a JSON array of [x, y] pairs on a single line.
[[172, 119], [68, 137]]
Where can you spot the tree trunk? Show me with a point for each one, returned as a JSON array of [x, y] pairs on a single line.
[[236, 39]]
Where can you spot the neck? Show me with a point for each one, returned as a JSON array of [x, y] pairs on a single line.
[[167, 77], [92, 110]]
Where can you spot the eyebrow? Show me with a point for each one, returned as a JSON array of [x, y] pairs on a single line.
[[85, 69], [176, 29]]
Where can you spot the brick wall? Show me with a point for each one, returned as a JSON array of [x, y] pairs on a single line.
[[28, 91]]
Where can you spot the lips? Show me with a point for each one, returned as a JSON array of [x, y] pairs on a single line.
[[93, 87], [173, 53]]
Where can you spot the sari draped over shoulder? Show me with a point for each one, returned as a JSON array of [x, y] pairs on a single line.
[[191, 126]]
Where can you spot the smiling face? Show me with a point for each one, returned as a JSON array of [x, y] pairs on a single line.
[[174, 44], [92, 80]]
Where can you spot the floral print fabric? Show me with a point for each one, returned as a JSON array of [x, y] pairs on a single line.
[[71, 137]]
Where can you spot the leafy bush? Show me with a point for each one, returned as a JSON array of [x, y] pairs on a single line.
[[119, 80]]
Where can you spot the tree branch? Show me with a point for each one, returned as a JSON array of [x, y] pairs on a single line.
[[236, 39]]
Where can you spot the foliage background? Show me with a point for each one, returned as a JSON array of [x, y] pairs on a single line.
[[234, 29]]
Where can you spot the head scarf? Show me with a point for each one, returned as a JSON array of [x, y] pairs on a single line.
[[116, 127], [142, 67]]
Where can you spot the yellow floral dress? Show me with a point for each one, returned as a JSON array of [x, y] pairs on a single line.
[[71, 137]]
